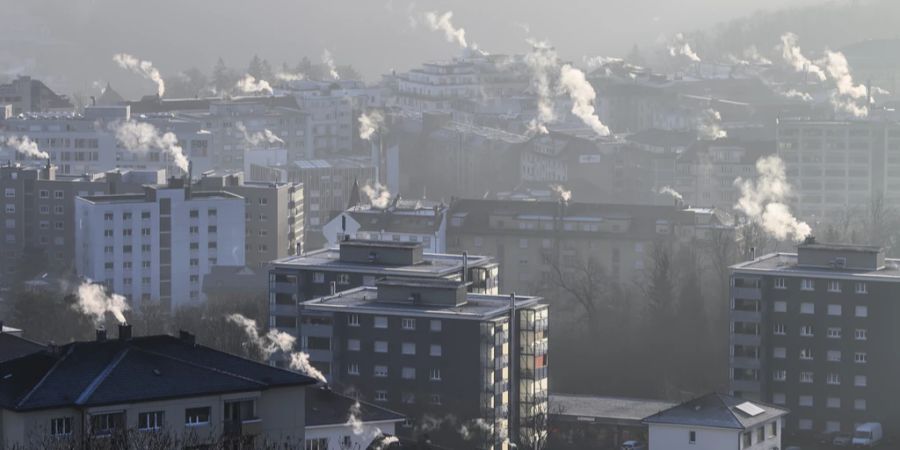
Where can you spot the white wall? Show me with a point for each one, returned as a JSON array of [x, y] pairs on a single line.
[[675, 437], [335, 434]]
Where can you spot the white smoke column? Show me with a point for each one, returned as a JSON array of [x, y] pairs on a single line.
[[600, 61], [378, 194], [354, 421], [328, 60], [564, 193], [467, 430], [709, 127], [250, 85], [94, 301], [258, 137], [763, 201], [752, 55], [285, 76], [442, 23], [680, 47], [793, 93], [275, 341], [369, 124], [300, 362], [791, 54], [141, 137], [142, 68], [848, 93], [542, 62], [669, 191], [27, 147], [573, 82]]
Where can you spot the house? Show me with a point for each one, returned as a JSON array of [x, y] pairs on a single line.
[[717, 422], [338, 422], [589, 421]]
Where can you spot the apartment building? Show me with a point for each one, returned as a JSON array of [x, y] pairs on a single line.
[[157, 245], [432, 350], [814, 331], [110, 393], [835, 166], [706, 171], [273, 215], [401, 221], [528, 237], [355, 263], [27, 95], [38, 214]]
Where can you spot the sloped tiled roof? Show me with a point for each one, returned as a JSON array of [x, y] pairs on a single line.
[[326, 407], [12, 346], [716, 411]]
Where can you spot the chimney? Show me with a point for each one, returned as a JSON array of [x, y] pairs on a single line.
[[465, 267], [124, 332], [101, 334], [333, 288], [187, 338]]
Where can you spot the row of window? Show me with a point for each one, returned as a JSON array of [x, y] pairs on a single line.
[[808, 284], [831, 378], [406, 323], [406, 348], [108, 423], [406, 373], [831, 355], [860, 334], [810, 308], [407, 397], [779, 398]]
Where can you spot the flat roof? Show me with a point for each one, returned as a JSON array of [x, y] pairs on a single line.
[[786, 264], [609, 408], [329, 259], [365, 300]]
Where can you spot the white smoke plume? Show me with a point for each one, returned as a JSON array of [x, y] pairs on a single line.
[[680, 47], [752, 55], [259, 137], [791, 54], [442, 23], [275, 341], [286, 76], [880, 91], [250, 85], [709, 125], [94, 301], [379, 195], [27, 147], [793, 93], [469, 429], [573, 82], [142, 68], [763, 201], [848, 93], [564, 194], [669, 191], [359, 429], [369, 124], [328, 61], [141, 137], [599, 61], [542, 62]]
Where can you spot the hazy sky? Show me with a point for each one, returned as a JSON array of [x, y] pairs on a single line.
[[80, 36]]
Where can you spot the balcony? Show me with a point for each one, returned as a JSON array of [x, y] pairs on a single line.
[[283, 310], [746, 316], [745, 386], [745, 339], [745, 362], [749, 293]]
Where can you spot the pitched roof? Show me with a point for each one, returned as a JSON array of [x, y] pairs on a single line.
[[717, 411], [615, 408], [139, 369], [12, 346], [326, 407]]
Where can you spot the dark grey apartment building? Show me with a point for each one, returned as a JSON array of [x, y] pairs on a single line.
[[356, 263], [816, 331], [469, 370]]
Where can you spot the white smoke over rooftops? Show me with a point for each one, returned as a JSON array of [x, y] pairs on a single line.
[[142, 68]]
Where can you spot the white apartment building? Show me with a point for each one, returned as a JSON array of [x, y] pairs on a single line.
[[157, 246], [402, 221]]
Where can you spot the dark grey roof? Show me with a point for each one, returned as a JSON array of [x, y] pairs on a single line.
[[126, 371], [387, 220], [716, 411], [326, 407], [785, 264], [12, 347], [612, 408]]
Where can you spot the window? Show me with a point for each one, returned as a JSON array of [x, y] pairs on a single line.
[[779, 375], [381, 322], [778, 329], [773, 429], [435, 325], [833, 378], [834, 310], [806, 330], [862, 311], [834, 355], [746, 439], [523, 243], [380, 396], [805, 424], [353, 345], [779, 306], [381, 347], [780, 283], [43, 193], [316, 444], [353, 320], [380, 371], [408, 348], [834, 332], [150, 420], [860, 334], [833, 402], [353, 369], [11, 192], [211, 212], [779, 352], [343, 278], [436, 350], [435, 375], [107, 424], [859, 404], [834, 286], [61, 426], [806, 354], [861, 288], [692, 437], [196, 416], [408, 373], [807, 308], [409, 324], [807, 285], [860, 380], [435, 399], [761, 434], [806, 377], [318, 277], [778, 398], [861, 358], [408, 397], [368, 280]]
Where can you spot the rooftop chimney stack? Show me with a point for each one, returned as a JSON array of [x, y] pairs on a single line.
[[333, 288], [124, 332], [101, 334]]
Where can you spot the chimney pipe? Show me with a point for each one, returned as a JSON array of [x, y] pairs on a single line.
[[124, 332], [465, 267], [333, 288], [101, 334]]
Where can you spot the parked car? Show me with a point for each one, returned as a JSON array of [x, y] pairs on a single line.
[[633, 445], [867, 435]]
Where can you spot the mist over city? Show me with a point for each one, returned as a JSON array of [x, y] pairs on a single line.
[[586, 224]]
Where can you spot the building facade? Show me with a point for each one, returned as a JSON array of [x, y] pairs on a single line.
[[813, 331], [401, 221]]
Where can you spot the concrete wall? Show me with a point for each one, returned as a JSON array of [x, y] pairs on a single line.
[[336, 433]]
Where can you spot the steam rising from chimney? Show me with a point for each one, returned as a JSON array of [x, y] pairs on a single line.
[[94, 301], [250, 85], [369, 124], [142, 68], [442, 23], [258, 137], [680, 47], [275, 341], [564, 194], [708, 125], [791, 54], [328, 61], [379, 195], [793, 93], [573, 82], [763, 200], [542, 62], [354, 421], [848, 94], [669, 191], [141, 137], [27, 147]]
